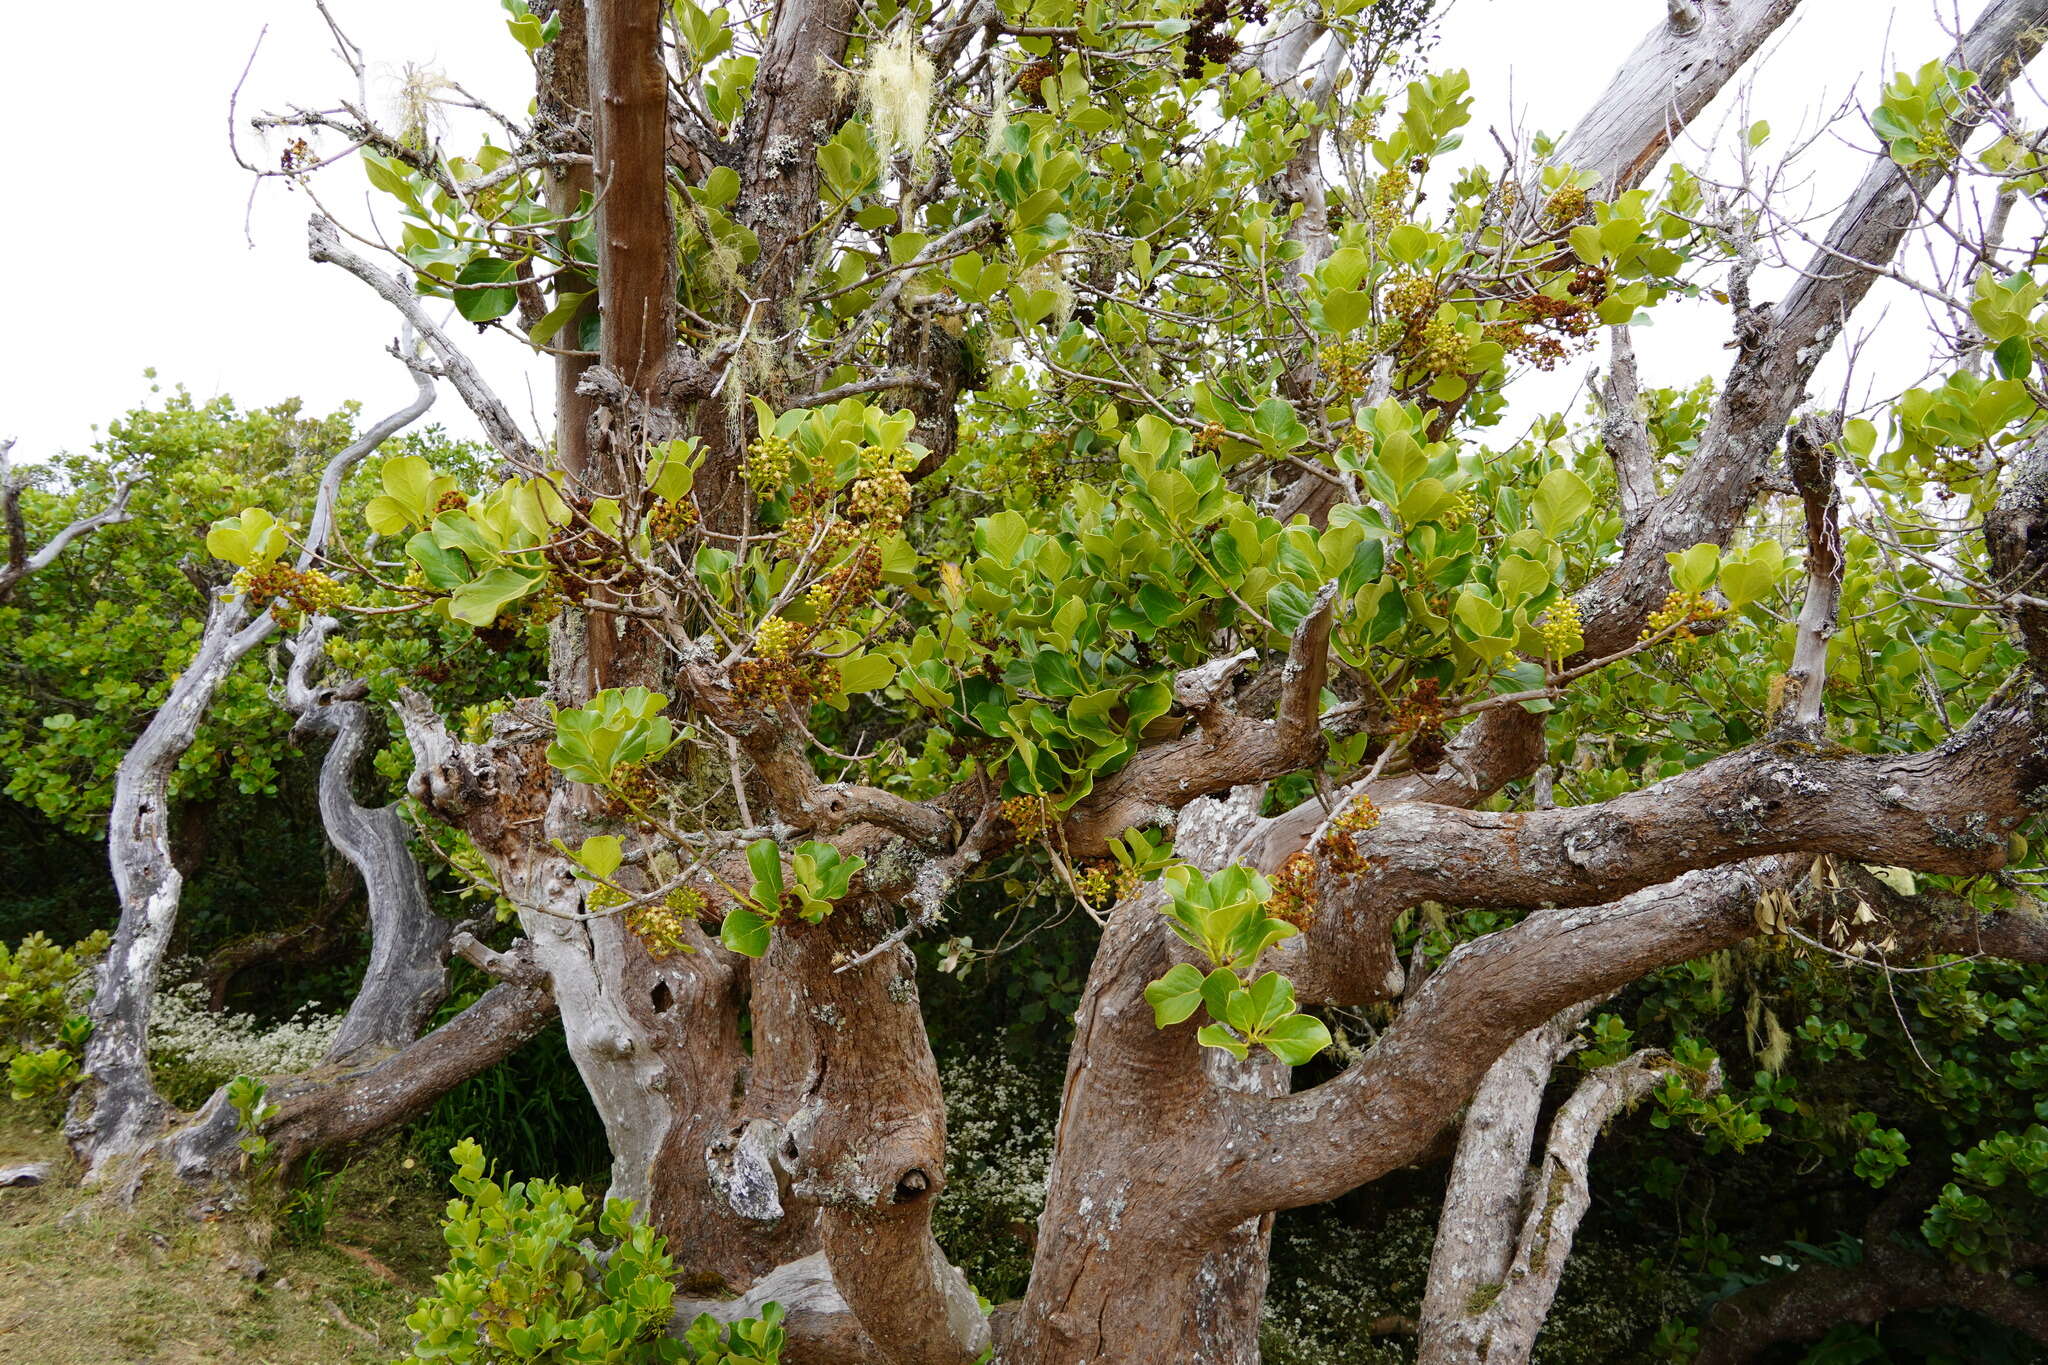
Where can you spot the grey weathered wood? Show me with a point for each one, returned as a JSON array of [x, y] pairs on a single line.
[[1505, 1233], [1672, 75], [405, 980], [117, 1110], [21, 561]]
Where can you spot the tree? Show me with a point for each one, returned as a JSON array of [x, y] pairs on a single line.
[[21, 562], [1054, 442]]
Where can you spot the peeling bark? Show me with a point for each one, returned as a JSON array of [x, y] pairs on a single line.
[[656, 1042], [1810, 458]]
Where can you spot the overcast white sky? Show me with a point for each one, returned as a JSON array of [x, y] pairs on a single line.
[[125, 215]]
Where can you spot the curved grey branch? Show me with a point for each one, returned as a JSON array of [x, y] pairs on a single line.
[[405, 980], [21, 561], [325, 245], [117, 1109]]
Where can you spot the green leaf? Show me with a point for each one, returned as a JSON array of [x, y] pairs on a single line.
[[1692, 570], [537, 506], [443, 568], [865, 673], [1520, 578], [484, 305], [601, 854], [479, 601], [1175, 996], [412, 483], [1215, 1035], [1407, 243], [566, 308], [2014, 357], [255, 537], [1750, 577], [386, 515], [1217, 988], [744, 932], [1272, 999], [1347, 310], [1296, 1039], [1561, 499], [1002, 536], [764, 860], [1274, 419]]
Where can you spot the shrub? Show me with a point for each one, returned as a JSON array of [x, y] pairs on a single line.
[[193, 1051], [40, 986], [999, 1131], [526, 1283], [42, 1032]]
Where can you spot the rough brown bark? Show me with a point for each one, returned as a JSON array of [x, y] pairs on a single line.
[[870, 1139], [635, 227], [564, 108], [1121, 1272], [1623, 433]]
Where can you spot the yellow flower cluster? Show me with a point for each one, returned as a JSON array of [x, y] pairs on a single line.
[[1025, 814], [1683, 610], [1463, 507], [288, 592], [768, 462], [662, 928], [1106, 882], [1441, 348], [777, 638], [881, 500], [1562, 630], [669, 520], [1294, 891], [1568, 205], [1348, 365], [1389, 198]]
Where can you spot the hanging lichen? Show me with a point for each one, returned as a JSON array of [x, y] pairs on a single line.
[[896, 94]]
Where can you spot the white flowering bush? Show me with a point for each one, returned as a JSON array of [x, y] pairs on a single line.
[[193, 1051], [999, 1130]]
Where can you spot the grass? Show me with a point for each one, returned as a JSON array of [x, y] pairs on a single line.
[[83, 1282]]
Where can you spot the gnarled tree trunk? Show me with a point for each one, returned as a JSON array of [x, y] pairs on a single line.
[[405, 980], [117, 1111]]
